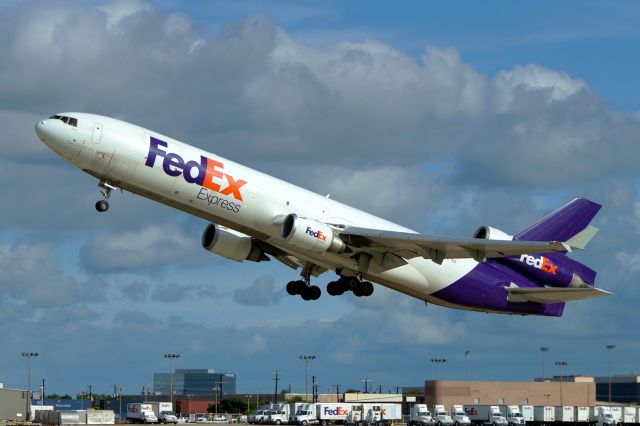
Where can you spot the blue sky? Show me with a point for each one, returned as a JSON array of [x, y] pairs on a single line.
[[482, 113]]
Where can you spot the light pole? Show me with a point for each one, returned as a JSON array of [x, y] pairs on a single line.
[[171, 356], [190, 396], [248, 399], [543, 350], [437, 361], [561, 364], [306, 359], [215, 389], [466, 365], [28, 356], [610, 348], [366, 384]]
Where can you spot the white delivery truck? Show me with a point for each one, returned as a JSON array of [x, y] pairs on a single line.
[[485, 415], [459, 416], [259, 415], [514, 416], [420, 415], [527, 413], [616, 413], [330, 413], [164, 412], [304, 414], [442, 418], [278, 414], [138, 412], [582, 414], [601, 415], [565, 414], [373, 414], [543, 414], [630, 415]]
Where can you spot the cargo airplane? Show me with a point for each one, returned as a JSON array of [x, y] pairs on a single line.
[[256, 217]]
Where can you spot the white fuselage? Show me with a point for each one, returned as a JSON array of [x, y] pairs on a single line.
[[234, 196]]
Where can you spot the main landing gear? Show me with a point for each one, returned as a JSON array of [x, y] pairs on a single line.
[[334, 288], [354, 283], [103, 205], [304, 289]]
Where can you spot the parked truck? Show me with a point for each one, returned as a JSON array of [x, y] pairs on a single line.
[[565, 414], [141, 413], [279, 414], [601, 415], [630, 415], [373, 414], [330, 413], [164, 412], [514, 416], [420, 415], [442, 418], [303, 415], [582, 414], [259, 415], [485, 415], [460, 418], [544, 414]]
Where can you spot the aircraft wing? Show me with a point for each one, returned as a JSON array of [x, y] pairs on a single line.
[[548, 295], [408, 245]]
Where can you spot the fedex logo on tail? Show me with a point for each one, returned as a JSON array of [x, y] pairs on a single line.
[[542, 263], [207, 173], [316, 234]]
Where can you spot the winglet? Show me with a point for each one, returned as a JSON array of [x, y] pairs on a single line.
[[582, 238]]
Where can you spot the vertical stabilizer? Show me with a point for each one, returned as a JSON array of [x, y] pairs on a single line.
[[562, 224]]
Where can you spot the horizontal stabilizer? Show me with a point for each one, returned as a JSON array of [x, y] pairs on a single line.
[[547, 295], [582, 238]]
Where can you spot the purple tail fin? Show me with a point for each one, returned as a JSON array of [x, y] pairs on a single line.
[[563, 223]]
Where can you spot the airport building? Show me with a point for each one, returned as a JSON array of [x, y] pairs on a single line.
[[624, 389], [570, 392], [195, 382]]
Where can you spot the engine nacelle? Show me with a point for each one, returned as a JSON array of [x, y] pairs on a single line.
[[231, 244], [489, 233], [309, 234]]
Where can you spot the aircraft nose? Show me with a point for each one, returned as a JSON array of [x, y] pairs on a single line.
[[42, 130]]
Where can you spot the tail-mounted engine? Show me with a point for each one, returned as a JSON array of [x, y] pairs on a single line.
[[231, 244], [489, 233], [309, 234]]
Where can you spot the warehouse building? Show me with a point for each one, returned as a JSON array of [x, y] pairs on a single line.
[[203, 381], [624, 389], [13, 403], [446, 392]]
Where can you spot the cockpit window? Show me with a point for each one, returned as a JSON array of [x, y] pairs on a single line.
[[67, 120]]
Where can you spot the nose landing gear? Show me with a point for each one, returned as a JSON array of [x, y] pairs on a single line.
[[103, 205]]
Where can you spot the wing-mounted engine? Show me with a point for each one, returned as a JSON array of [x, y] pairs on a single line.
[[489, 233], [309, 234], [231, 244]]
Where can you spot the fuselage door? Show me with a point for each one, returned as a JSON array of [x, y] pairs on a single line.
[[97, 133]]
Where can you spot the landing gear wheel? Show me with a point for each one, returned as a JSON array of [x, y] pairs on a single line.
[[314, 292], [352, 283], [293, 288], [102, 206], [358, 291], [335, 288], [366, 288]]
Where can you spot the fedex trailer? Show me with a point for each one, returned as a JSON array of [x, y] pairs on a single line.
[[565, 413], [330, 413]]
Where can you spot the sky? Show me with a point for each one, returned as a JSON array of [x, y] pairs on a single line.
[[441, 116]]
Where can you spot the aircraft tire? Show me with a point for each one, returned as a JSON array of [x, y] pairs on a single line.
[[352, 283], [102, 206], [293, 288], [335, 288], [358, 291], [314, 292], [366, 288], [305, 294]]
